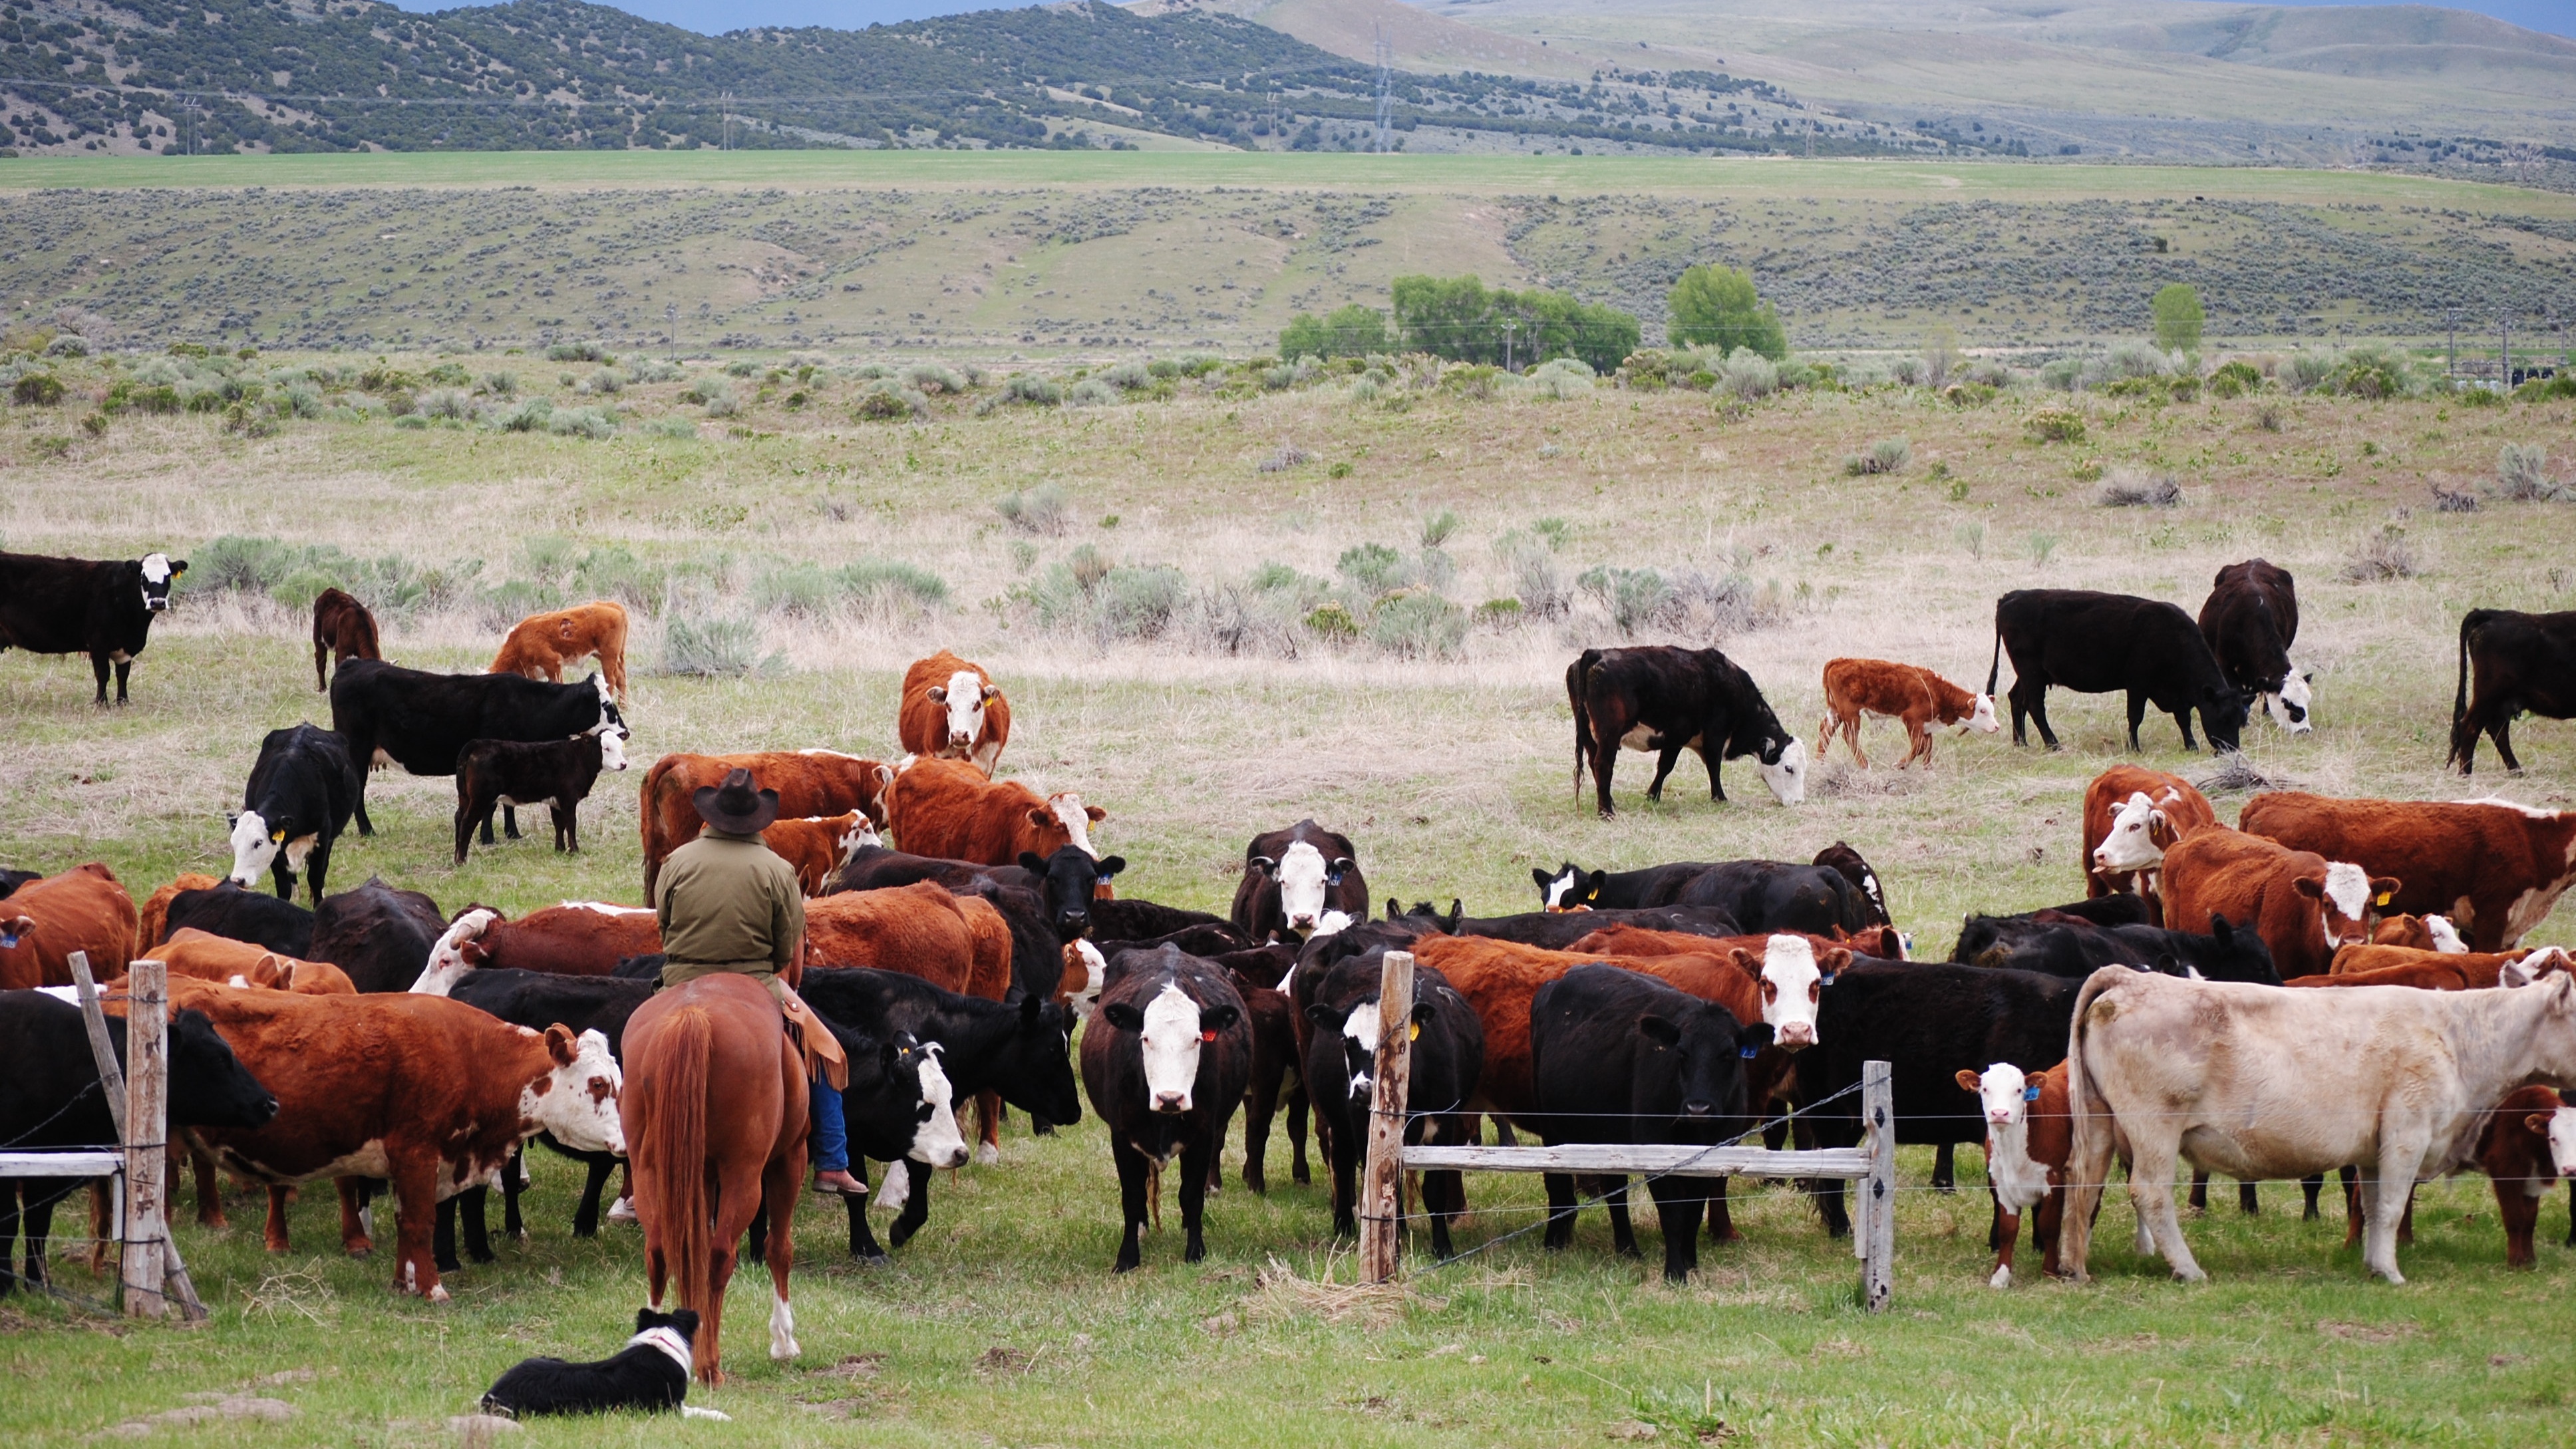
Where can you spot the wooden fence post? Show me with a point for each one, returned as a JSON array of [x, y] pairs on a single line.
[[147, 1148], [1878, 1190], [1381, 1208], [122, 1092]]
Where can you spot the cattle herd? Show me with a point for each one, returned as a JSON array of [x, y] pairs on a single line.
[[2329, 985]]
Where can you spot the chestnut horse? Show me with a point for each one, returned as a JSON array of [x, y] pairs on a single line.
[[714, 1106]]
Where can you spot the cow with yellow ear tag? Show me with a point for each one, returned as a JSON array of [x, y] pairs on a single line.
[[300, 795]]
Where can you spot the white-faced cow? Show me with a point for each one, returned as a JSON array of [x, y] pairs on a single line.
[[952, 710], [1664, 700], [1292, 877], [1165, 1060], [99, 607], [423, 722], [2495, 868], [298, 801], [2251, 619], [2522, 664], [2096, 643]]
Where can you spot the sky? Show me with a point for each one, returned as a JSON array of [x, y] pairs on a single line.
[[710, 17]]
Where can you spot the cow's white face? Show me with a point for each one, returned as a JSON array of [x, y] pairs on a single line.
[[577, 1099], [158, 574], [1554, 895], [2446, 937], [1788, 777], [254, 846], [612, 749], [1982, 718], [2534, 965], [1170, 1042], [1792, 985], [2562, 1140], [2131, 843], [2347, 904], [1076, 818], [1359, 1035], [861, 832], [1302, 876], [964, 694], [447, 963], [1330, 923], [936, 1142], [2290, 707], [2003, 1094]]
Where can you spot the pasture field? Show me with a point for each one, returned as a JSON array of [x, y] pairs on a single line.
[[1001, 1323]]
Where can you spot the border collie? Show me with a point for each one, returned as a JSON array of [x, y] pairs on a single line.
[[652, 1374]]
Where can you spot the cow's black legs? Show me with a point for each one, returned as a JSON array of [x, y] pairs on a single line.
[[567, 829], [2137, 716], [98, 666], [284, 881], [1262, 1106], [487, 831], [2182, 720], [2247, 1201], [1560, 1210], [1131, 1199], [509, 822], [1196, 1161], [1623, 1234], [1677, 1206], [2311, 1185], [1721, 1220], [2502, 730], [1605, 763], [2199, 1191], [1945, 1167], [514, 1176], [1665, 759], [863, 1243], [916, 1208], [466, 1208], [124, 669], [1504, 1136], [1297, 1107], [585, 1219], [9, 1234], [2035, 702], [317, 868]]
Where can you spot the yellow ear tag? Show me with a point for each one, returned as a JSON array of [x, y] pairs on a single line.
[[1415, 1033], [277, 837], [2386, 896]]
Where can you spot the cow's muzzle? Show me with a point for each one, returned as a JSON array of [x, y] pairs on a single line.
[[1697, 1109], [155, 606], [2000, 1119], [1171, 1104], [1797, 1034], [957, 741]]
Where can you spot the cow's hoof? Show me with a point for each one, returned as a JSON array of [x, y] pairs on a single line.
[[622, 1210], [355, 1247], [438, 1294], [2002, 1278], [987, 1154]]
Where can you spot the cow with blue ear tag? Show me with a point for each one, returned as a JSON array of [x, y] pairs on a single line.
[[1165, 1060], [2028, 1137]]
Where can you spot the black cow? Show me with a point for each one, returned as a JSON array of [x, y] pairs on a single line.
[[379, 935], [1842, 858], [1777, 895], [1165, 1061], [1666, 700], [1022, 1052], [263, 920], [424, 721], [50, 1097], [1619, 1057], [1069, 881], [1928, 1022], [297, 802], [99, 607], [1570, 887], [1207, 938], [10, 880], [1448, 1055], [557, 774], [876, 868], [1558, 930], [1292, 877], [2524, 664], [2251, 619], [1132, 919], [2096, 643], [1978, 933], [1066, 883], [2075, 950]]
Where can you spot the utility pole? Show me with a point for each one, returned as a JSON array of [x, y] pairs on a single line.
[[2504, 352], [2451, 318], [671, 318], [1385, 93], [724, 100]]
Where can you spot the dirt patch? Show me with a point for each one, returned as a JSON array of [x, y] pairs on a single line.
[[219, 1409], [2368, 1332]]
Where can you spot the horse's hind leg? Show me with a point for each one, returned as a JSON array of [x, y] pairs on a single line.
[[778, 1190]]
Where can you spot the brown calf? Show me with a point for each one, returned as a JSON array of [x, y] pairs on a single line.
[[819, 845], [541, 645], [342, 630], [1915, 697], [2304, 906]]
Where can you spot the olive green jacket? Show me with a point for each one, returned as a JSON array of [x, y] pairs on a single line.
[[728, 903]]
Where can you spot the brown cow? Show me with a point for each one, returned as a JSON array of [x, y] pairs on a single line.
[[541, 645], [209, 957], [2132, 816], [809, 783], [819, 845], [427, 1092], [153, 928], [2372, 965], [946, 808], [2493, 867], [2529, 1144], [577, 938], [1914, 696], [957, 943], [342, 630], [2423, 933], [44, 921], [2029, 1136], [2304, 906], [952, 710]]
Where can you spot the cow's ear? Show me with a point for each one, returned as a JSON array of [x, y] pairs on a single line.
[[1969, 1081], [1457, 913], [1041, 817], [1219, 1018], [1123, 1016], [1324, 1017], [178, 566], [1754, 1038], [1422, 1011], [1032, 862], [1658, 1030], [1593, 885], [992, 692], [1341, 865], [1096, 813], [2219, 928], [2538, 1123], [1542, 877], [560, 1043], [2309, 886], [1032, 1006], [1831, 963], [1744, 961], [1267, 866], [1108, 866], [2383, 889], [939, 694]]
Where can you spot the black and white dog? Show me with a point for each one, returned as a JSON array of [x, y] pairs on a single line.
[[652, 1375]]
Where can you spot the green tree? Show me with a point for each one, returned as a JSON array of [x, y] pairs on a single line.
[[1446, 317], [1713, 306], [1352, 331], [2178, 318]]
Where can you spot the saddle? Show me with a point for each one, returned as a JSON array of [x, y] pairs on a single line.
[[814, 1041]]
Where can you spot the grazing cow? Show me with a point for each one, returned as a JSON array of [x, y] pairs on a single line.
[[1165, 1061], [2423, 933], [2251, 619], [1570, 887], [540, 646], [2028, 1138], [1292, 876], [810, 783], [819, 846], [1021, 1052], [49, 1097], [423, 722], [228, 910], [1845, 861], [2524, 664], [432, 1094], [1758, 895], [2304, 906], [379, 935], [1980, 933], [342, 630], [191, 952], [1929, 1023], [2258, 1083], [2528, 1144], [301, 791], [101, 608], [947, 808], [153, 927], [1617, 1057], [1667, 700], [2132, 816], [2096, 643], [44, 922], [952, 710], [577, 938], [557, 774], [1914, 697], [2074, 949], [1340, 1068], [2493, 867]]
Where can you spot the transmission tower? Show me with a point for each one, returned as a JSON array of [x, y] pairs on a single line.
[[1385, 91]]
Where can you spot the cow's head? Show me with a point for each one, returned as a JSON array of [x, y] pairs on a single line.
[[1358, 1026], [159, 572], [2289, 704], [2344, 899], [1065, 811], [14, 930], [1038, 1055], [2560, 1128], [2137, 839], [2222, 716], [2003, 1094], [1793, 980], [1303, 876], [2533, 965], [1981, 717], [255, 844], [965, 694], [2239, 954], [2445, 936], [612, 745], [1569, 887], [609, 718], [576, 1100], [1783, 763], [857, 832], [448, 958], [1171, 1029], [214, 1089], [936, 1142], [1711, 1046], [1069, 880]]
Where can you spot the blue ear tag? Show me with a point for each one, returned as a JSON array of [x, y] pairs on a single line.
[[1827, 979], [2030, 1094], [1748, 1053]]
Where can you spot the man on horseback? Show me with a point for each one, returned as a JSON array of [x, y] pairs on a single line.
[[728, 903]]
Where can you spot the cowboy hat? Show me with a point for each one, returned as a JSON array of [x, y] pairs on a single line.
[[733, 808]]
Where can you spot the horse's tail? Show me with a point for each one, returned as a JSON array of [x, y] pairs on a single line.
[[674, 1152]]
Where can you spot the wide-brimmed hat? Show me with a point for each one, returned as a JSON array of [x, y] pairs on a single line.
[[734, 807]]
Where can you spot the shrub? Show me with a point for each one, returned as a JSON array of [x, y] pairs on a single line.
[[1289, 456], [1332, 621], [1634, 597], [1968, 394], [2522, 474], [886, 401], [1717, 306], [715, 394], [928, 377], [2043, 547], [2130, 489], [528, 417], [578, 352], [1353, 331], [713, 647], [653, 370], [1418, 625], [607, 380], [1498, 613], [2561, 384], [1887, 455], [1026, 387], [2178, 317], [1748, 374], [129, 396], [1559, 378], [2308, 370], [1128, 376], [1437, 528], [37, 389], [449, 374], [2382, 556], [2235, 379], [2055, 425], [671, 428], [1372, 567], [2479, 395], [2124, 361], [1537, 582], [447, 402], [1035, 510], [300, 399], [2452, 500], [889, 583], [592, 423], [1139, 603], [1091, 392], [241, 563], [68, 345], [1477, 381]]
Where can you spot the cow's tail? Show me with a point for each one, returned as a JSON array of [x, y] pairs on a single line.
[[1577, 678], [1995, 668], [2088, 1161], [2464, 739], [671, 1163]]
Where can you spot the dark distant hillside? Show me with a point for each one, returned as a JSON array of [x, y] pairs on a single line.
[[308, 75]]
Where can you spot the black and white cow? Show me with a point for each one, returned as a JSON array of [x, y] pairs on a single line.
[[1665, 700], [1165, 1059], [2095, 643], [1570, 887], [379, 935], [1292, 877], [1620, 1057], [2251, 619], [99, 607], [1448, 1055], [245, 915], [1841, 857], [301, 791], [2522, 664], [557, 774], [1760, 896], [423, 722]]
